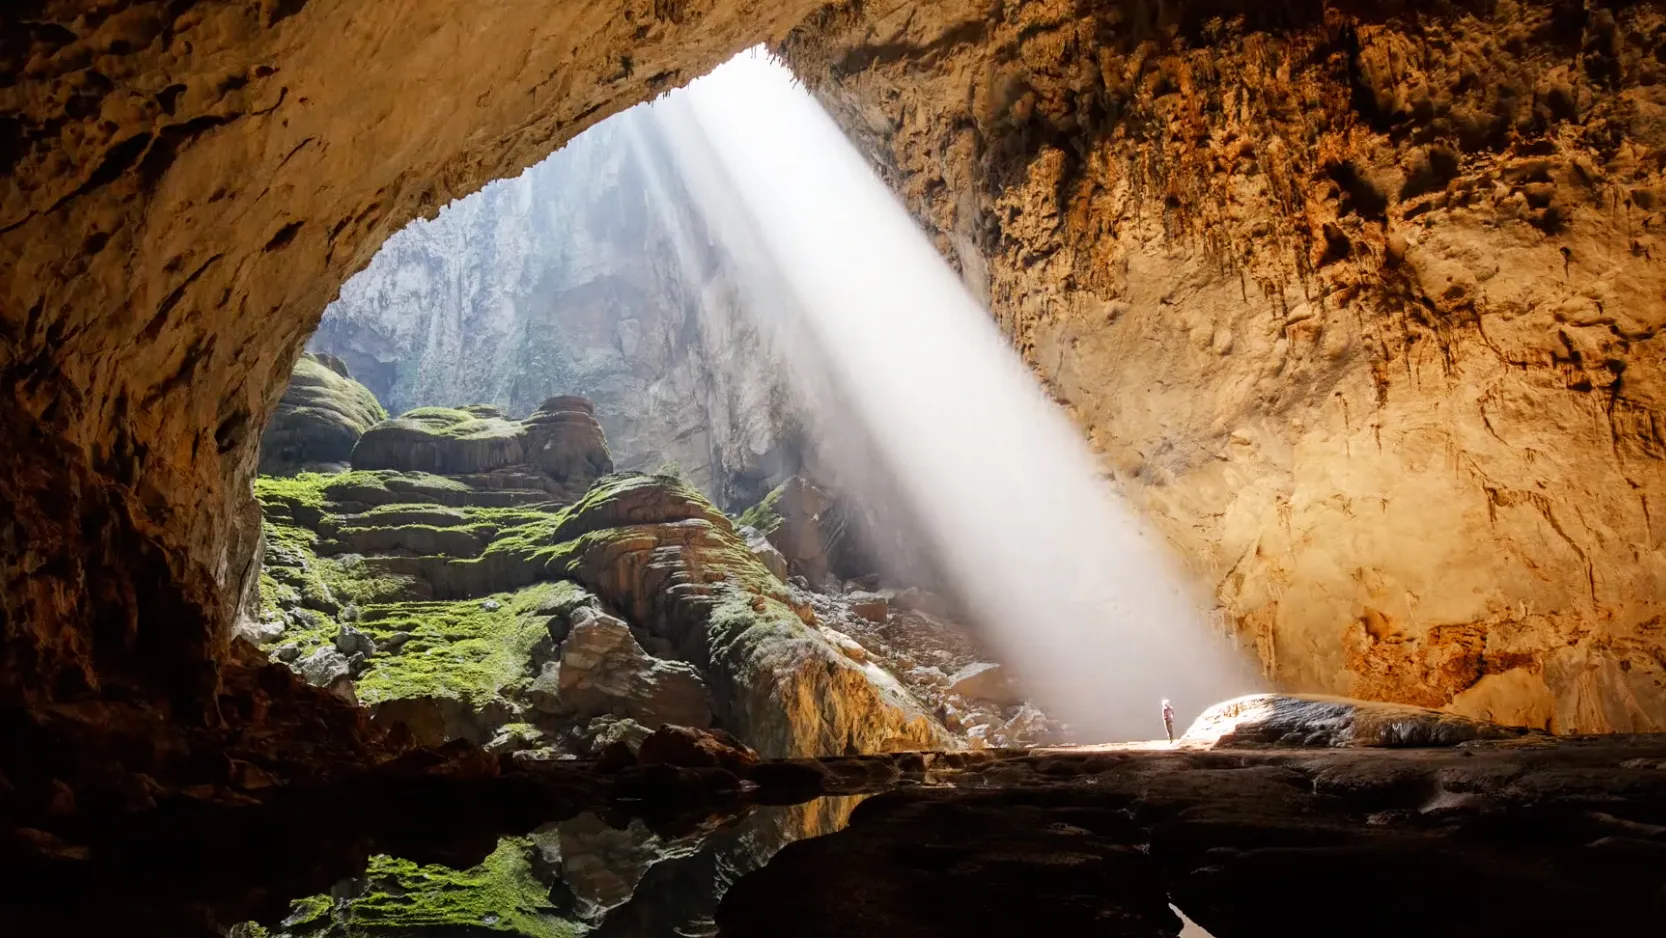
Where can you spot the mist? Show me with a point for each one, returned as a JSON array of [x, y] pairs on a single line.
[[920, 404]]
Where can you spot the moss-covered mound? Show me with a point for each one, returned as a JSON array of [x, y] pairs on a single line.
[[561, 441], [320, 419], [444, 601]]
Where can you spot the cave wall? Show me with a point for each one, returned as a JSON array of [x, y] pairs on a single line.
[[588, 274], [183, 187], [1362, 302]]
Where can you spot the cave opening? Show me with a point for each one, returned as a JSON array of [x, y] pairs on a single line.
[[1355, 307], [709, 300]]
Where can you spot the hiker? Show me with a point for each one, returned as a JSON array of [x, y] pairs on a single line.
[[1168, 719]]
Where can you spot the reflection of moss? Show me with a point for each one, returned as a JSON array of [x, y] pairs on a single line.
[[502, 894], [463, 650], [766, 515]]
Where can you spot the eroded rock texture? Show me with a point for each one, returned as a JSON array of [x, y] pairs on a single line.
[[182, 189], [479, 578], [320, 418], [1362, 301]]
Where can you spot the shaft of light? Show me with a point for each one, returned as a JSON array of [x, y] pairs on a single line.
[[1075, 591]]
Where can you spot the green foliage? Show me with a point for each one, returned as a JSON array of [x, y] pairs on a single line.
[[462, 649], [766, 515]]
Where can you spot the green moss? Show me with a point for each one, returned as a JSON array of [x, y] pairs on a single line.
[[309, 911], [462, 650], [456, 424], [766, 515]]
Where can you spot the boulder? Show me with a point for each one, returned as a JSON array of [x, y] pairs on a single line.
[[604, 670], [988, 682], [323, 667], [261, 631], [695, 748], [1312, 720], [870, 606], [350, 642], [329, 669], [772, 559]]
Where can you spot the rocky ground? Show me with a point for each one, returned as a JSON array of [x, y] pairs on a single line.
[[1277, 816]]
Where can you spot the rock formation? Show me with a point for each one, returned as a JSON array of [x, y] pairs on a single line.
[[319, 419], [182, 190], [1360, 300], [1361, 303], [591, 273], [483, 578]]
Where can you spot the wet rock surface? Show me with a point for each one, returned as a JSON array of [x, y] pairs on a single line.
[[1311, 720], [1076, 840], [1489, 838]]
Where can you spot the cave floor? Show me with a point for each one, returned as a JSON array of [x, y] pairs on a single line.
[[1536, 836]]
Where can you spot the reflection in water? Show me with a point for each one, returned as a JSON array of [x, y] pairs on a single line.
[[581, 876]]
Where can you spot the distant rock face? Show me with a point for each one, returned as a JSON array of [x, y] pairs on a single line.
[[1361, 303], [589, 274], [320, 418]]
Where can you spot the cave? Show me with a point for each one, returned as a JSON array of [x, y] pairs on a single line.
[[1354, 306]]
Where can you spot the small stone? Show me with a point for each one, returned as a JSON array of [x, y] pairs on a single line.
[[287, 652], [324, 667], [491, 605], [394, 642], [870, 606], [851, 647], [985, 681], [350, 641]]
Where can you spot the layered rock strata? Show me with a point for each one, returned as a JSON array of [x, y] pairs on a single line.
[[319, 419], [476, 577], [1361, 303]]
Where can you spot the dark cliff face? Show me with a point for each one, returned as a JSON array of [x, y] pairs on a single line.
[[1359, 301], [588, 274]]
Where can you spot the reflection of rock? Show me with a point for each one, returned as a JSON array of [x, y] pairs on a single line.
[[1311, 720], [985, 681], [603, 864], [604, 671]]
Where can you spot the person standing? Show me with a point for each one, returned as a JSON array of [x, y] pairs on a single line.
[[1168, 719]]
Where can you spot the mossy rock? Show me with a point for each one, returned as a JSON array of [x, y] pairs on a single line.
[[442, 440], [320, 418]]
